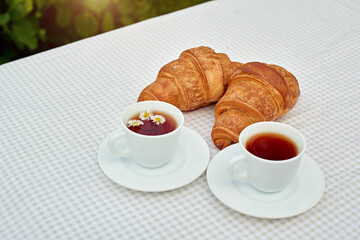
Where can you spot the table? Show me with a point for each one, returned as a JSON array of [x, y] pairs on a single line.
[[57, 106]]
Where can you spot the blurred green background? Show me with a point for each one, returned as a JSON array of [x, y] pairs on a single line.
[[31, 26]]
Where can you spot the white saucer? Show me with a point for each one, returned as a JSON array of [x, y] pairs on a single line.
[[189, 163], [299, 196]]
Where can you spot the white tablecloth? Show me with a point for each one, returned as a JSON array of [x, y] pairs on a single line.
[[56, 107]]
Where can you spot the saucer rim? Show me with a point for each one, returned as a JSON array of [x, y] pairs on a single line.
[[320, 191], [205, 159]]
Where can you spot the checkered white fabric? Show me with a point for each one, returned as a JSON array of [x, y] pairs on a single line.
[[57, 106]]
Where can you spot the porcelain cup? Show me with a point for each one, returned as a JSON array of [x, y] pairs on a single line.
[[147, 151], [263, 174]]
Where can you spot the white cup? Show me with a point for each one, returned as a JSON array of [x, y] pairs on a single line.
[[263, 174], [148, 151]]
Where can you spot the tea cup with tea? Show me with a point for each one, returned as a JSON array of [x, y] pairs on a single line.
[[271, 155], [151, 130]]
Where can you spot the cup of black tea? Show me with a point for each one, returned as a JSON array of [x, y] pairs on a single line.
[[151, 130], [272, 153]]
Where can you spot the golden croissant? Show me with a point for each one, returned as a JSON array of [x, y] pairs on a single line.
[[256, 92], [197, 78]]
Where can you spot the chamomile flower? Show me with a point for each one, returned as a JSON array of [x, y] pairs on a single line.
[[134, 123], [145, 115], [158, 119]]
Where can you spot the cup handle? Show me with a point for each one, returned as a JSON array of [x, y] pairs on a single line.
[[115, 136], [243, 176]]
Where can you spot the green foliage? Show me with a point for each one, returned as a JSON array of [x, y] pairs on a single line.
[[19, 29], [86, 24], [30, 26]]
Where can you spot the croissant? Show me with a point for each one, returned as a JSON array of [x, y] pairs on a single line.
[[256, 92], [197, 78]]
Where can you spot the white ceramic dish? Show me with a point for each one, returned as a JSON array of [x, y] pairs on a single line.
[[189, 163], [300, 195]]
